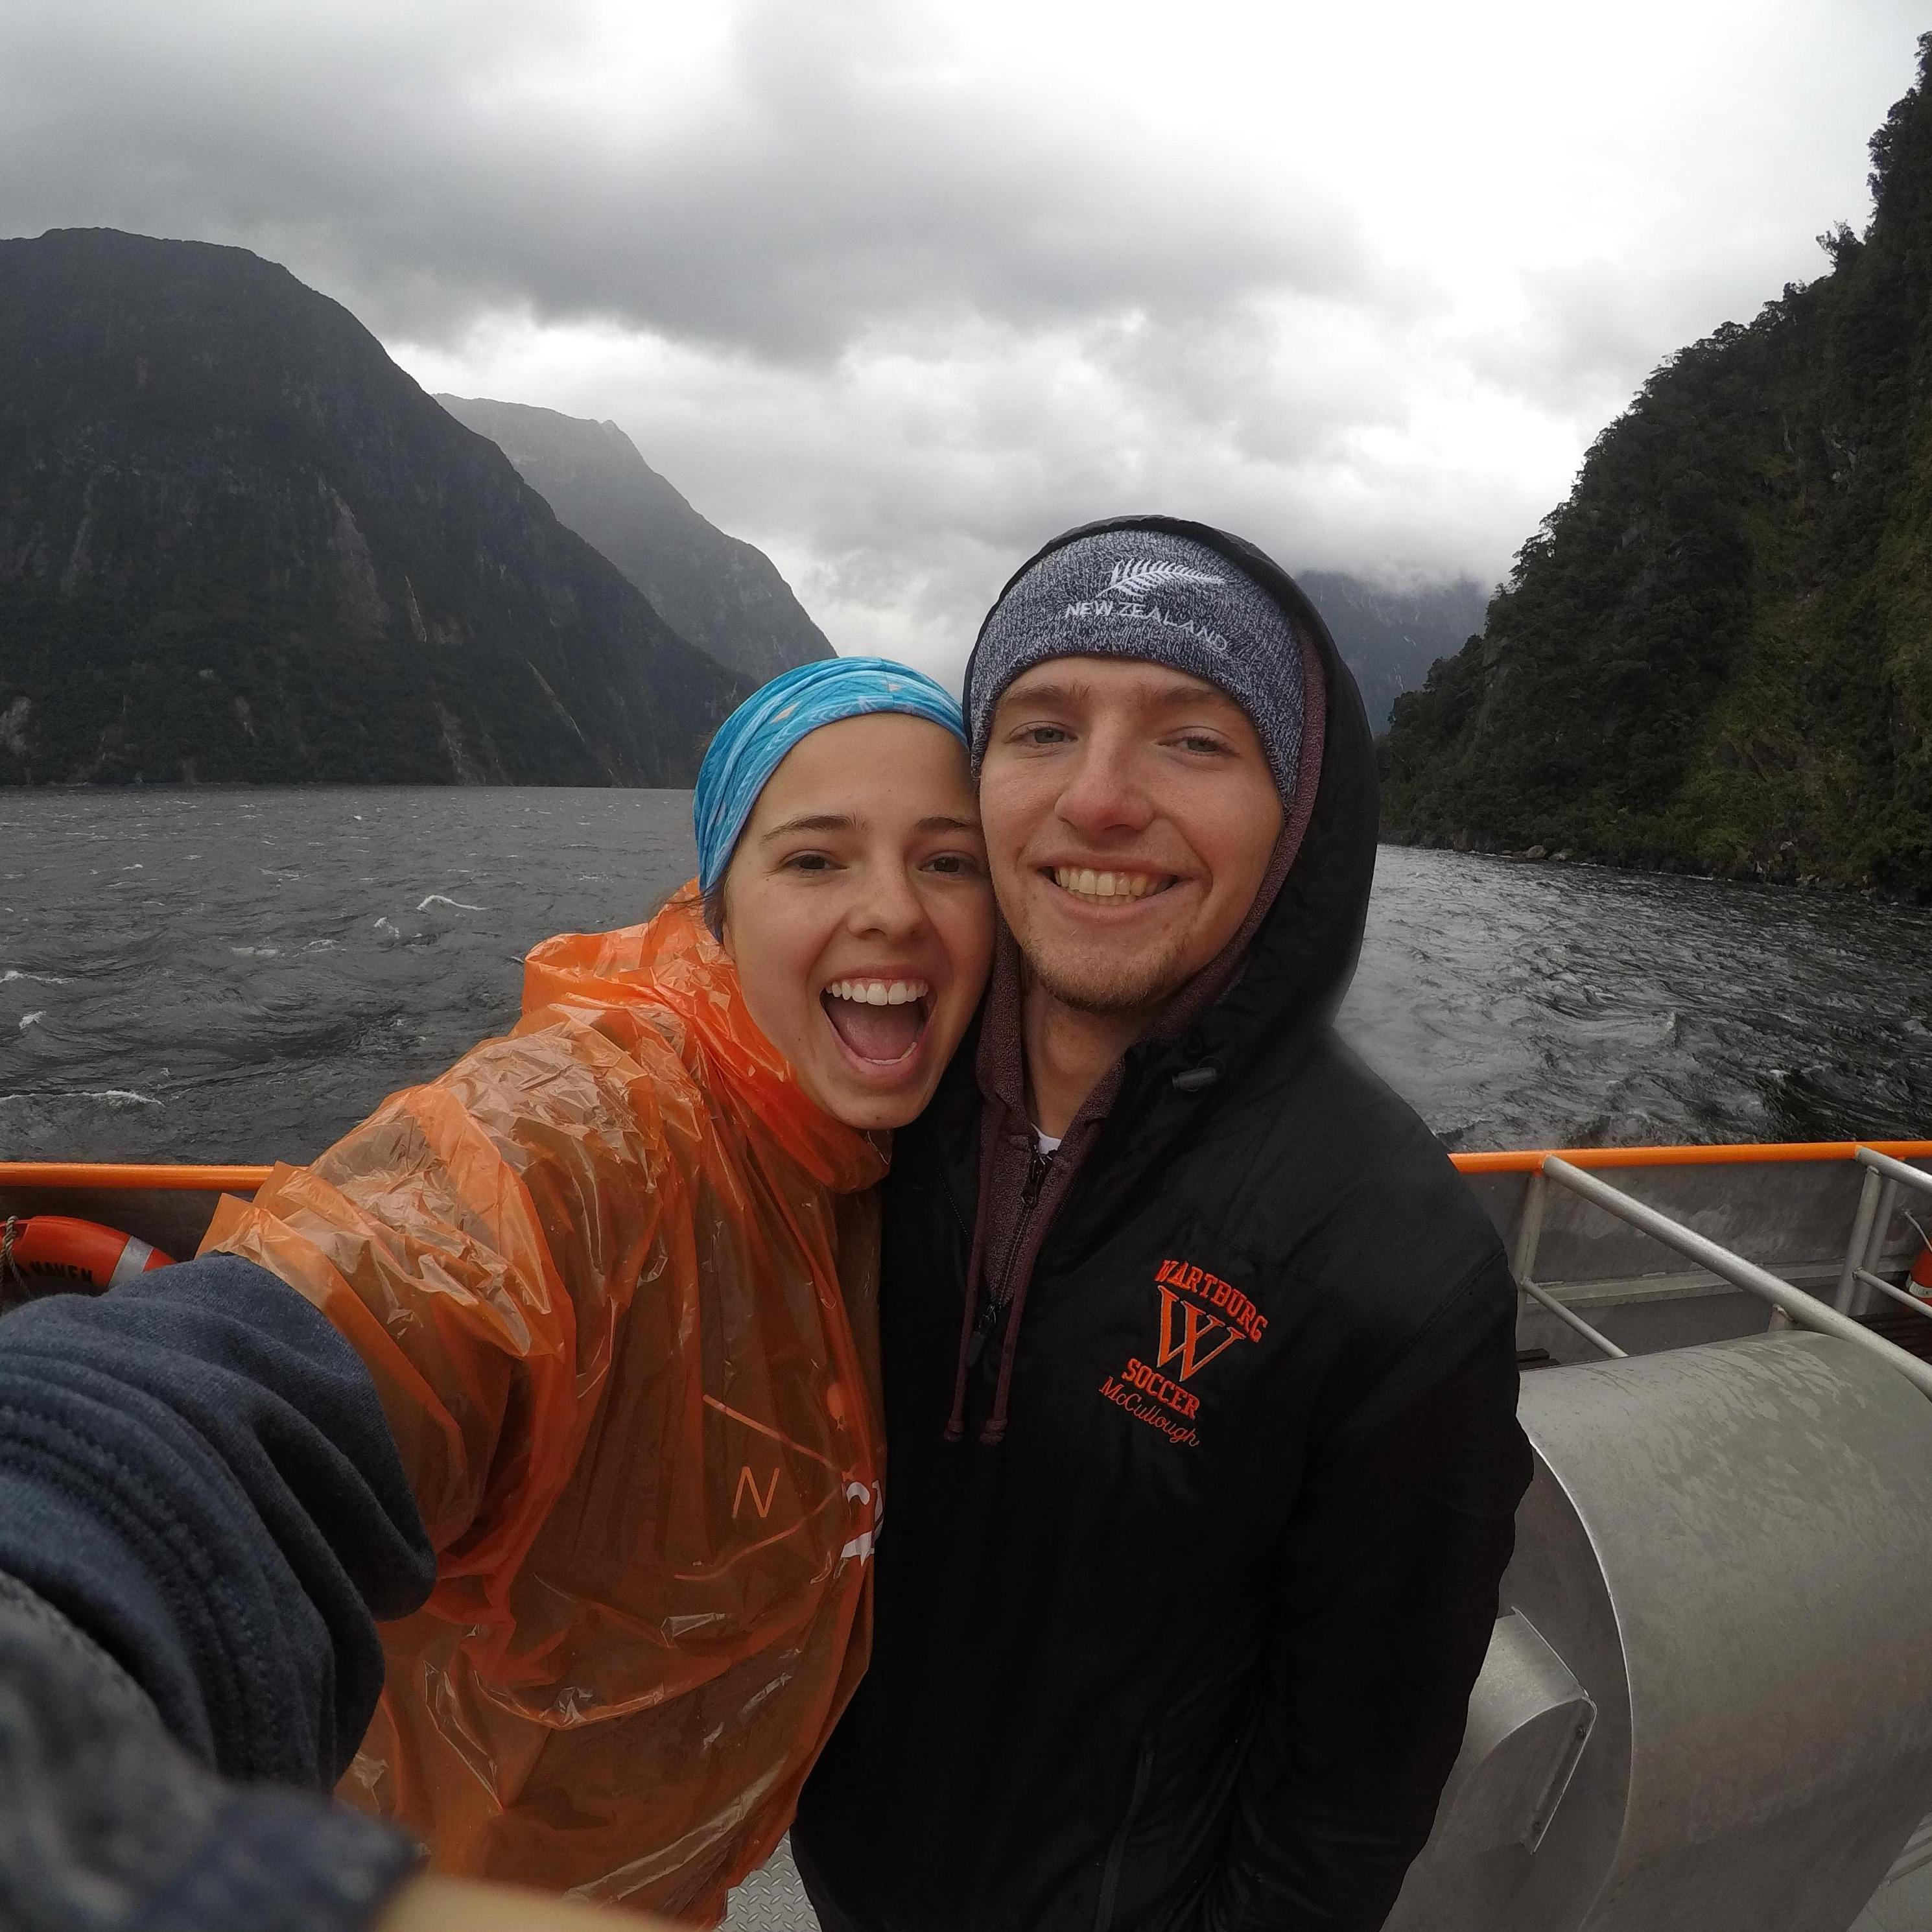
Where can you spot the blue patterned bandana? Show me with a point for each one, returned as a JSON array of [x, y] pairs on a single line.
[[752, 743]]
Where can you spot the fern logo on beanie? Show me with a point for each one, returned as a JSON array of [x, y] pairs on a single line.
[[1138, 575]]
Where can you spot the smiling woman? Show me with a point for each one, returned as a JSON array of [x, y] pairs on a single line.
[[614, 1278], [857, 911]]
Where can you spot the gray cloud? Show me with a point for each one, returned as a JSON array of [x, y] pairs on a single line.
[[831, 185], [898, 290]]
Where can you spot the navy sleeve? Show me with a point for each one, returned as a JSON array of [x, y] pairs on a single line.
[[1386, 1596], [195, 1472], [107, 1825]]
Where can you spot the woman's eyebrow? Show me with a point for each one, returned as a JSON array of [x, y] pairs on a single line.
[[823, 821], [939, 822]]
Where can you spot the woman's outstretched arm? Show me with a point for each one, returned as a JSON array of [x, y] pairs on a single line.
[[195, 1472], [107, 1823]]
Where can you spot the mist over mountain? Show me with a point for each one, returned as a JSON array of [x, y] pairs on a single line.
[[1717, 653], [724, 595], [1389, 639], [238, 543]]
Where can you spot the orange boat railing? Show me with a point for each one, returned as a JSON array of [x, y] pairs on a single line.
[[1566, 1167], [237, 1180], [1529, 1160], [168, 1176]]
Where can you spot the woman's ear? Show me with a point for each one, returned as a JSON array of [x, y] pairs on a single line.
[[715, 918]]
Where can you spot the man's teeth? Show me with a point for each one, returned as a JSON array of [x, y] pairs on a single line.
[[879, 992], [1093, 885]]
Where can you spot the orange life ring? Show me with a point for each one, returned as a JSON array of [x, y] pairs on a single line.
[[82, 1252]]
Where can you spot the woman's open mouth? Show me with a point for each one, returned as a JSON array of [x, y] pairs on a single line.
[[880, 1021]]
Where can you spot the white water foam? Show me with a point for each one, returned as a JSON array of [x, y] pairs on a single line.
[[109, 1096]]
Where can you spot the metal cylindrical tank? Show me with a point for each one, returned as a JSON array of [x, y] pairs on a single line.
[[1708, 1706]]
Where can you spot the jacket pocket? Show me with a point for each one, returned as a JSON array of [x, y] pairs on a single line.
[[1117, 1852]]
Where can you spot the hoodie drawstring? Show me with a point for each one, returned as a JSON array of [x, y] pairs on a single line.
[[989, 1146]]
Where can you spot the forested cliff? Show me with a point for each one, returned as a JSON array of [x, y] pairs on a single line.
[[238, 543], [1717, 653]]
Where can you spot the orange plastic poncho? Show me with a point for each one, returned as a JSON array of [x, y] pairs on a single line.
[[614, 1276]]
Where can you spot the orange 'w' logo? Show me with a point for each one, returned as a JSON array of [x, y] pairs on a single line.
[[1195, 1328], [746, 1480]]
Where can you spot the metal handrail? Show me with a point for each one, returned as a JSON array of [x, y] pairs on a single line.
[[1894, 1170], [1884, 1287], [1563, 1312], [1793, 1303]]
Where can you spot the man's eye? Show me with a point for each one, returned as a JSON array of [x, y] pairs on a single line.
[[1042, 734], [1201, 742]]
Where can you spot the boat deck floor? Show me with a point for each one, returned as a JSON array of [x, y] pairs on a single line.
[[772, 1899]]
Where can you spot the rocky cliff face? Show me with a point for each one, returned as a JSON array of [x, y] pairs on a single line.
[[238, 543], [722, 594], [1717, 653]]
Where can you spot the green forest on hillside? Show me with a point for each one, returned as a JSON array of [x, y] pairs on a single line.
[[1717, 653]]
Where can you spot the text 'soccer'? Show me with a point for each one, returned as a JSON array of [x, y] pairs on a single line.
[[1201, 1317]]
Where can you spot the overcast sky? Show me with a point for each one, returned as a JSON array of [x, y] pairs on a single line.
[[898, 288]]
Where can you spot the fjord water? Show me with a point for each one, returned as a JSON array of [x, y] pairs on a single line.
[[240, 975]]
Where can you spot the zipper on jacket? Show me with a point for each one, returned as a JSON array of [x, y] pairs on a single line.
[[1037, 1170], [1117, 1852], [984, 1323], [987, 1322]]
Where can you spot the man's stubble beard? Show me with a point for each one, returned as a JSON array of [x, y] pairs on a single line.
[[1111, 988]]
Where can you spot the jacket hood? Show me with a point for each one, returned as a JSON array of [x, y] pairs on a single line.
[[1286, 971]]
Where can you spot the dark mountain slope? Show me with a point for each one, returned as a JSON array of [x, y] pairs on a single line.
[[1388, 638], [722, 594], [238, 542], [1717, 653]]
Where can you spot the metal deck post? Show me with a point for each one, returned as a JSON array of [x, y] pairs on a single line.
[[1528, 1236], [1846, 1300], [1804, 1309]]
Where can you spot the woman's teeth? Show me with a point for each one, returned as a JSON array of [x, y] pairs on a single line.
[[1092, 885], [879, 992], [881, 1020]]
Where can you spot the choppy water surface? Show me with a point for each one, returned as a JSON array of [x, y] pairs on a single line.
[[241, 975]]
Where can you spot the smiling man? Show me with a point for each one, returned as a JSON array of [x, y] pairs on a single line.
[[1200, 1362]]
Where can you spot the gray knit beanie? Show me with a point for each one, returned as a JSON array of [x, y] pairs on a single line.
[[1152, 595]]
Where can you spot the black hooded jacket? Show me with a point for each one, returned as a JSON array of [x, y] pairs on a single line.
[[1190, 1645]]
